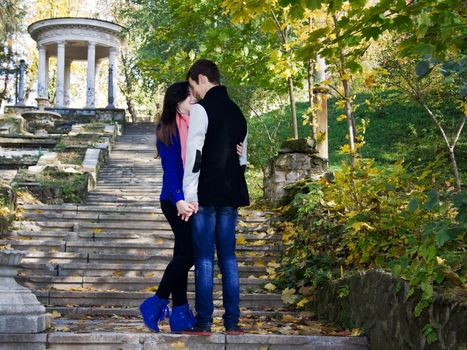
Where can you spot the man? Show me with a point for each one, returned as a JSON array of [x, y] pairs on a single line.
[[214, 182]]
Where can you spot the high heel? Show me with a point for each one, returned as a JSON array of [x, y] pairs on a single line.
[[182, 318], [153, 310]]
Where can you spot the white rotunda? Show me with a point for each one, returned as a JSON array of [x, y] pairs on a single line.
[[82, 39]]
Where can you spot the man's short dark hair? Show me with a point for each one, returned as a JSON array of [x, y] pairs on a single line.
[[205, 67]]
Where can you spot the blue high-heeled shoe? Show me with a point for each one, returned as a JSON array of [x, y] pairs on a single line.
[[153, 310], [181, 318]]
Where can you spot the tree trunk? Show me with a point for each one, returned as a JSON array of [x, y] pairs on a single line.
[[126, 89], [293, 108], [448, 144], [314, 124]]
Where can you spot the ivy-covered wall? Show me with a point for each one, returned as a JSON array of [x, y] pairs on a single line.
[[376, 302]]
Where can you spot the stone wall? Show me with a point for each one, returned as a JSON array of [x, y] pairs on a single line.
[[297, 159], [86, 115], [376, 302]]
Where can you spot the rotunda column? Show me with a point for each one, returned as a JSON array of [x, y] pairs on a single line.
[[41, 83], [90, 91], [67, 82], [60, 94], [111, 82]]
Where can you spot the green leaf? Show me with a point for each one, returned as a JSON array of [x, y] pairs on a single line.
[[430, 333], [442, 236], [313, 4], [432, 200], [413, 205], [353, 66], [423, 49], [422, 68]]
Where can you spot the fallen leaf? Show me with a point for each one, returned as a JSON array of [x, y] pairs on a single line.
[[178, 346], [241, 240], [55, 314], [288, 318], [270, 287], [288, 296]]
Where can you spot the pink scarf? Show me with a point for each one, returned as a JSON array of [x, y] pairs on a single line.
[[182, 123]]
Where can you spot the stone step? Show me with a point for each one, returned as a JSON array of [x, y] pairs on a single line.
[[120, 237], [80, 312], [126, 247], [251, 216], [92, 208], [94, 236], [217, 341], [117, 270], [139, 284], [132, 299], [156, 257], [123, 190], [122, 202], [96, 197], [94, 216]]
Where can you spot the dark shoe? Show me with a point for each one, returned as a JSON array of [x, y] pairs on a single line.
[[181, 318], [234, 330], [198, 330], [153, 310]]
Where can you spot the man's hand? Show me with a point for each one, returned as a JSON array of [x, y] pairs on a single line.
[[240, 149], [195, 205], [185, 209]]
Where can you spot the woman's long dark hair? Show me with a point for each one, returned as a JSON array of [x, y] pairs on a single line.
[[167, 127]]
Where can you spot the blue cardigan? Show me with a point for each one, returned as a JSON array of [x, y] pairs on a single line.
[[172, 164]]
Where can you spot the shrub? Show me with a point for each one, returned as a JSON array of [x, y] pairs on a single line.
[[395, 218]]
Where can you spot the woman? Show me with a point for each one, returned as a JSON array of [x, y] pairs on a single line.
[[172, 131]]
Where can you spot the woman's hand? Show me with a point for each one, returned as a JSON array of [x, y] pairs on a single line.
[[185, 209], [240, 149]]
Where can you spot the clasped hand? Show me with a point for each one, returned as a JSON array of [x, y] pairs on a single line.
[[186, 209]]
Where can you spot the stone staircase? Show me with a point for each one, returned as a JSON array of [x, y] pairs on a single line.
[[93, 264]]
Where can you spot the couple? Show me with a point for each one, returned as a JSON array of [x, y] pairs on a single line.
[[202, 147]]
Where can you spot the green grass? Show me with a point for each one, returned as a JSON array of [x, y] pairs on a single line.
[[397, 130]]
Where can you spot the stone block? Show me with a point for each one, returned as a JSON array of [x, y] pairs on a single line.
[[47, 158], [284, 342], [23, 341], [94, 341], [6, 129], [298, 146], [180, 341]]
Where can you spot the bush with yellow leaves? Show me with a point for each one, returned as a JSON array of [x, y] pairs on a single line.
[[399, 219]]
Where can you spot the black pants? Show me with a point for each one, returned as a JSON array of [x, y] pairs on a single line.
[[175, 276]]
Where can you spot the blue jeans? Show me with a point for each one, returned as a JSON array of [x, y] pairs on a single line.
[[215, 226]]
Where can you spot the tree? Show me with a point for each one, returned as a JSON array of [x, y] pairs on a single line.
[[10, 17]]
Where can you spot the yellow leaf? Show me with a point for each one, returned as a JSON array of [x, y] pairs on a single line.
[[288, 296], [241, 240], [219, 275], [270, 287], [289, 318], [178, 346], [356, 332], [151, 289], [118, 274], [440, 260], [37, 211], [303, 302], [98, 230], [55, 314], [341, 117]]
